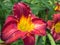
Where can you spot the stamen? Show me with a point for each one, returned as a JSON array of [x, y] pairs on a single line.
[[25, 24], [57, 27]]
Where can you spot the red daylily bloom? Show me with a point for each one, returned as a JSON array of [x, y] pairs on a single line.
[[54, 25], [22, 24]]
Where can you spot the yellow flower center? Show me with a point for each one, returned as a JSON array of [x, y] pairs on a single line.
[[57, 8], [25, 24], [57, 27]]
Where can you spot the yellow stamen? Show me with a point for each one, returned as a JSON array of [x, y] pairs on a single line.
[[25, 24], [57, 27]]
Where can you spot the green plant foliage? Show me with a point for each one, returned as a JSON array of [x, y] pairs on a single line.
[[0, 27], [41, 40], [18, 42]]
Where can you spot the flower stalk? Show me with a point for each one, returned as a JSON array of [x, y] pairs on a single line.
[[51, 39]]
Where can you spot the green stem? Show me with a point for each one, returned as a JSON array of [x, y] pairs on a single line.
[[51, 39], [44, 38], [36, 38]]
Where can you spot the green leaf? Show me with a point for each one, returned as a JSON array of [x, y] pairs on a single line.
[[0, 27], [1, 41], [18, 42], [41, 40], [58, 42], [51, 39], [36, 38]]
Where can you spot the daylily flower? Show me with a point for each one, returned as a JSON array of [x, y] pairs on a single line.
[[57, 8], [23, 24], [54, 26]]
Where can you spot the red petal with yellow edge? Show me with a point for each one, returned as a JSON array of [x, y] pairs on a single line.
[[21, 9], [39, 26]]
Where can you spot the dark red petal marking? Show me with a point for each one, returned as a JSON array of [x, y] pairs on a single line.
[[38, 21], [13, 37]]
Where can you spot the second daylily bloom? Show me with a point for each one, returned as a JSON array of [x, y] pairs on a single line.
[[54, 26], [57, 8], [23, 24]]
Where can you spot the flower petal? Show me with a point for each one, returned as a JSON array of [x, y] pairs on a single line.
[[21, 9], [9, 26], [55, 35], [10, 33], [33, 16], [50, 24], [29, 40], [8, 29], [40, 26], [56, 17], [10, 18], [15, 36], [58, 37]]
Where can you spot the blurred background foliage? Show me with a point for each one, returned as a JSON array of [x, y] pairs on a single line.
[[41, 8]]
